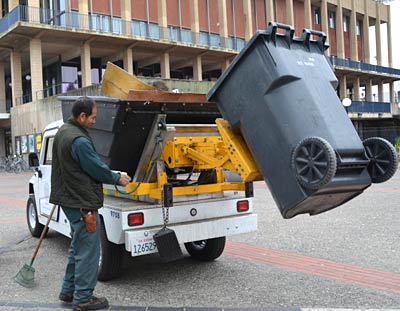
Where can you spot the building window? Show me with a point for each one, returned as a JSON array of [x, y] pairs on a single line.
[[345, 24], [358, 28], [331, 19], [317, 16]]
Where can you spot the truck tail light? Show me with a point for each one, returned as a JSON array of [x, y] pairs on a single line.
[[135, 219], [242, 206]]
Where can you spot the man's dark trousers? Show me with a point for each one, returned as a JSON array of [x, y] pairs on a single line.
[[83, 258]]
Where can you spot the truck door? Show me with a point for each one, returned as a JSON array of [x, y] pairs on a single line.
[[45, 180]]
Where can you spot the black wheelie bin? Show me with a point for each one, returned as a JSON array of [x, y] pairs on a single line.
[[279, 93]]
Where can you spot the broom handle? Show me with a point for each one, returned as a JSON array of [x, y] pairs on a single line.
[[43, 234]]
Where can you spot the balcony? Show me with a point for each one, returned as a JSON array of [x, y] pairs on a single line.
[[113, 25], [369, 107], [335, 61]]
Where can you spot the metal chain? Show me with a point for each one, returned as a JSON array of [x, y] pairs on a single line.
[[165, 210]]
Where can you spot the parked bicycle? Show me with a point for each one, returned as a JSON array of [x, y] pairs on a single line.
[[15, 164]]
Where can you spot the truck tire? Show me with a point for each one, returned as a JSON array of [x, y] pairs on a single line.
[[110, 264], [314, 162], [35, 227], [383, 159], [206, 250]]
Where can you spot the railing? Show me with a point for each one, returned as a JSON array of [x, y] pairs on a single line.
[[108, 24], [369, 107], [362, 66]]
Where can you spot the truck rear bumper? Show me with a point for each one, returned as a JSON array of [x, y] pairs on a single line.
[[140, 242]]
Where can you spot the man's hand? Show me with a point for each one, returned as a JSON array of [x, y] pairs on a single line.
[[124, 179]]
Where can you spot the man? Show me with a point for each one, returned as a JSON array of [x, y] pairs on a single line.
[[77, 175]]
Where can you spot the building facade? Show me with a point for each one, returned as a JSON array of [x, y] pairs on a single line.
[[49, 47]]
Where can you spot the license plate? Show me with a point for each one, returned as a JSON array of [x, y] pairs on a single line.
[[142, 248]]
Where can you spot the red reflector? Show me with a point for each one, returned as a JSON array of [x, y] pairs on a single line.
[[242, 206], [135, 219]]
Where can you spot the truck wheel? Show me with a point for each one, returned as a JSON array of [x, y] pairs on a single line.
[[383, 159], [206, 250], [110, 264], [35, 227], [314, 162]]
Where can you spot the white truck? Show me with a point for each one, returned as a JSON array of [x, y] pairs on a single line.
[[201, 221]]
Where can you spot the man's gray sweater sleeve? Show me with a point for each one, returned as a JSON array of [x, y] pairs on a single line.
[[83, 152]]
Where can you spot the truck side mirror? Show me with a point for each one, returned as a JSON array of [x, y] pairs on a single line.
[[33, 160]]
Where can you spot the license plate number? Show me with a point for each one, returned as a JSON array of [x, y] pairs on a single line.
[[144, 248]]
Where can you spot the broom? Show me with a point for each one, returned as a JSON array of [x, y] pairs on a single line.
[[26, 276]]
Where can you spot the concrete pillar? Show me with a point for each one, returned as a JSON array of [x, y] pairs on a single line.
[[165, 68], [223, 23], [356, 89], [353, 32], [16, 78], [34, 15], [1, 9], [3, 106], [308, 15], [85, 65], [128, 60], [380, 91], [34, 3], [339, 30], [225, 64], [197, 69], [367, 54], [391, 91], [2, 143], [194, 21], [324, 21], [368, 90], [12, 4], [389, 38], [162, 18], [35, 47], [248, 20], [343, 86], [126, 16], [289, 12], [83, 8], [378, 36], [269, 10]]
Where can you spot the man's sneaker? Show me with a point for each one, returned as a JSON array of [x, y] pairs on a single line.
[[67, 298], [96, 303]]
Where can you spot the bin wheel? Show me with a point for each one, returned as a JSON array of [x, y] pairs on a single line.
[[314, 162], [383, 159], [206, 250], [110, 263]]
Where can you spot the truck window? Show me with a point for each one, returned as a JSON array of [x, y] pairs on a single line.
[[49, 151]]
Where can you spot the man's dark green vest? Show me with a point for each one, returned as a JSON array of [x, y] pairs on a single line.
[[70, 185]]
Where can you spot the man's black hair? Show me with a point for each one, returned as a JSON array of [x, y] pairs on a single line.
[[83, 104]]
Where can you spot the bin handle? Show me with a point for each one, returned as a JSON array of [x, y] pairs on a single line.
[[273, 26], [321, 41]]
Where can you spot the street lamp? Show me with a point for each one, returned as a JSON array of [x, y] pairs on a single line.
[[346, 103]]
